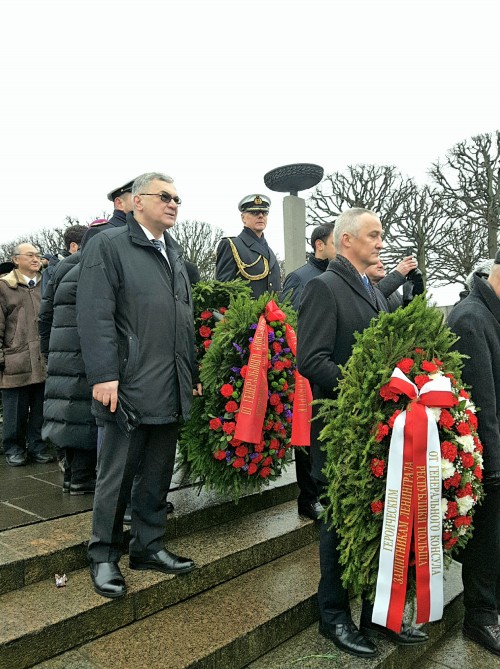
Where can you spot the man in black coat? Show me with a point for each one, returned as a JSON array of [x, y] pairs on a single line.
[[121, 198], [323, 251], [248, 256], [135, 321], [476, 320], [334, 306]]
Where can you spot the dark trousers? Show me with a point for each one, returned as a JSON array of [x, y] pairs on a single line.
[[23, 419], [308, 488], [481, 558], [140, 465], [333, 598], [80, 464]]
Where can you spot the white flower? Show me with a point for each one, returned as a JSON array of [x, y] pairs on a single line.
[[478, 457], [467, 442], [436, 412], [462, 530], [444, 507], [435, 375], [447, 469], [470, 406], [464, 505]]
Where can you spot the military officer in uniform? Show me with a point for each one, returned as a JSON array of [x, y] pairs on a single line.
[[121, 198], [248, 256]]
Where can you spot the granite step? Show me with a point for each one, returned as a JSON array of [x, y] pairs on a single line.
[[223, 628], [310, 650], [40, 620], [29, 554]]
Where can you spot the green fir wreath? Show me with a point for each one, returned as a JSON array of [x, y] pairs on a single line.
[[356, 437], [207, 445]]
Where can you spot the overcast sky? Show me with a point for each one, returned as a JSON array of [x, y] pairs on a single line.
[[218, 93]]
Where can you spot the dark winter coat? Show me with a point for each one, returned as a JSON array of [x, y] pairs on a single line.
[[118, 220], [334, 306], [476, 320], [49, 271], [135, 321], [251, 249], [296, 280], [21, 361], [68, 421]]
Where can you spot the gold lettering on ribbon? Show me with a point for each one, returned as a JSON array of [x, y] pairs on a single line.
[[404, 524], [422, 556], [391, 510]]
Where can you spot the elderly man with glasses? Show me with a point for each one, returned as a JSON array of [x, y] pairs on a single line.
[[248, 256], [22, 366]]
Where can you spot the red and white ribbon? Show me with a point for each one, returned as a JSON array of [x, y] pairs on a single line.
[[412, 509]]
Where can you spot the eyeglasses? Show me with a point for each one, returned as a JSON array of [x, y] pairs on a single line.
[[166, 197], [30, 255]]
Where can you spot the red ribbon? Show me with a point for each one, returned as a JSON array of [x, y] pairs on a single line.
[[302, 409]]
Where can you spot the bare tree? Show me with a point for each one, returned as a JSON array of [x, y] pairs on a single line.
[[199, 241], [468, 182]]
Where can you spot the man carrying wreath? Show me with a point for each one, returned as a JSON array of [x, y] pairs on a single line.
[[334, 306], [476, 320]]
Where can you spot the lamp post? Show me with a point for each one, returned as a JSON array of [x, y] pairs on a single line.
[[292, 179]]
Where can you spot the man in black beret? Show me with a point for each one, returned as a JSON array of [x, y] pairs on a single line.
[[248, 256]]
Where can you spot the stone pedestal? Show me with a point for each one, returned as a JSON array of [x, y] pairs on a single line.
[[294, 226]]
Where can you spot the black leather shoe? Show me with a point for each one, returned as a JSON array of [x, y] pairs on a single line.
[[163, 561], [41, 458], [312, 510], [16, 460], [487, 636], [107, 579], [348, 638], [87, 488], [409, 636]]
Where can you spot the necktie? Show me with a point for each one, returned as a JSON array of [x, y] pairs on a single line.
[[367, 283], [31, 283], [159, 245]]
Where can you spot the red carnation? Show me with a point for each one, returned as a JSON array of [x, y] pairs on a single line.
[[258, 458], [429, 366], [220, 455], [382, 431], [377, 507], [449, 451], [421, 379], [229, 427], [275, 399], [264, 472], [463, 393], [450, 543], [387, 394], [467, 460], [446, 419], [205, 315], [478, 445], [279, 408], [377, 466], [391, 420], [291, 397], [462, 520], [252, 468], [222, 310], [205, 331], [238, 463], [276, 347], [277, 426], [268, 461], [287, 363], [258, 448], [227, 390], [463, 428], [215, 424], [447, 536], [420, 351], [274, 444], [452, 510], [241, 451], [243, 371], [231, 406], [452, 481], [207, 343], [281, 453], [466, 490], [235, 442], [437, 362], [268, 425], [405, 365], [284, 386], [279, 366], [478, 473], [472, 418]]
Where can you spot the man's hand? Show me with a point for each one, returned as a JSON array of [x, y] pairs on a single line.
[[197, 390], [406, 265], [107, 394]]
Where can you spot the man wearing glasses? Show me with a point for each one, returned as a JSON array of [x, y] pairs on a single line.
[[135, 321], [22, 367], [248, 256]]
